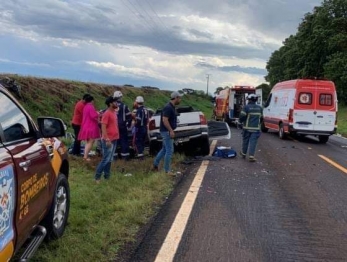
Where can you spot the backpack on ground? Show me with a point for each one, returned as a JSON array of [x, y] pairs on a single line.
[[224, 152]]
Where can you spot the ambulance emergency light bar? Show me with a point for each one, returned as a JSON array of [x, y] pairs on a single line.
[[243, 87]]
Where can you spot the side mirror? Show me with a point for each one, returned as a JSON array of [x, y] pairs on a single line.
[[51, 127]]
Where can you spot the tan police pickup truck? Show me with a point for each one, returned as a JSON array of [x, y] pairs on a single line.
[[34, 188]]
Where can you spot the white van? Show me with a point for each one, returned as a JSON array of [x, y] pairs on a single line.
[[303, 107]]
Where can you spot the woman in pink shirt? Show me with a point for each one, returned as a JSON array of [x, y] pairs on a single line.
[[89, 127], [110, 134]]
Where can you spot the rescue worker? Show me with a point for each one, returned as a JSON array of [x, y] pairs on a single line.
[[141, 121], [251, 116], [124, 118]]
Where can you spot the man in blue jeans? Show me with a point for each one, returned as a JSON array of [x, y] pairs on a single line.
[[168, 123], [250, 116], [109, 137]]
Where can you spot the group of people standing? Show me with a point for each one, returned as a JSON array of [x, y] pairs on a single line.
[[112, 125]]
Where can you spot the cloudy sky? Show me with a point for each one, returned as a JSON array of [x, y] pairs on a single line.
[[169, 44]]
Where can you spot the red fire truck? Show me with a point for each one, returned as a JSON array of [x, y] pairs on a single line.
[[229, 102]]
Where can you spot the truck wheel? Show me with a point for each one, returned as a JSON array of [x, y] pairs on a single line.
[[154, 148], [204, 147], [323, 139], [281, 133], [263, 127], [56, 219]]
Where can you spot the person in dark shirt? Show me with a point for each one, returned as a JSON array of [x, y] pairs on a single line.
[[168, 123]]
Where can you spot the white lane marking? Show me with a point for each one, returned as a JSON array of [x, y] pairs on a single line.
[[169, 247]]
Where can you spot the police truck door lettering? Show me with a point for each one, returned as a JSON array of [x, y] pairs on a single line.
[[7, 202]]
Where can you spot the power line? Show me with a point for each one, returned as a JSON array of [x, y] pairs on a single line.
[[158, 28], [161, 23], [138, 14]]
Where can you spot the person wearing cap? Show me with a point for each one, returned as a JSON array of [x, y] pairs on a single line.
[[168, 123], [109, 137], [251, 116], [141, 120], [124, 119], [76, 124]]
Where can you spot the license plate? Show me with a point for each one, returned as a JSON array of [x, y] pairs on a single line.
[[181, 140]]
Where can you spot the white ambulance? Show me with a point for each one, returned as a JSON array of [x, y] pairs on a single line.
[[302, 107]]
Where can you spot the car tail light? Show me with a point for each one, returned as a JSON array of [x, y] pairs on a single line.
[[151, 125], [290, 116], [203, 120]]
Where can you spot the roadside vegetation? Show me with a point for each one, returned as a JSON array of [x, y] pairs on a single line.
[[342, 121], [41, 96], [317, 50], [104, 217]]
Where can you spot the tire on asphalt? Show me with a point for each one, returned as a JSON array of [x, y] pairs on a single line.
[[204, 147], [281, 133], [323, 139], [263, 128]]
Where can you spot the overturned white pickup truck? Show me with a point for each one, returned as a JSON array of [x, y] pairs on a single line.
[[192, 134]]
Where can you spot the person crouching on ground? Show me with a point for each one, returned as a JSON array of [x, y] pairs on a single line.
[[168, 123], [251, 116], [109, 137], [140, 127]]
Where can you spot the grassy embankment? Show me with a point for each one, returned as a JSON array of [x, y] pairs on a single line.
[[342, 121], [102, 217]]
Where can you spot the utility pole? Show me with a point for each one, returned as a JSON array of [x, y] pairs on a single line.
[[208, 79]]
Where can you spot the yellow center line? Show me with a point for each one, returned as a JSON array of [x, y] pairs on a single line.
[[169, 247], [333, 163]]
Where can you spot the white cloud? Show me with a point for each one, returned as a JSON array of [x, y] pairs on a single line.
[[24, 63]]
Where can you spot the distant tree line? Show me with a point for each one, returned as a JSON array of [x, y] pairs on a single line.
[[317, 50]]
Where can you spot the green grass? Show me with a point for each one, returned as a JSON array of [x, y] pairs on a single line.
[[103, 217], [342, 121]]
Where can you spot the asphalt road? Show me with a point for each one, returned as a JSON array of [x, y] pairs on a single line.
[[291, 205]]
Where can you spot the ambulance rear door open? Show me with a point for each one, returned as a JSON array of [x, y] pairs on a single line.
[[259, 93], [231, 108]]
